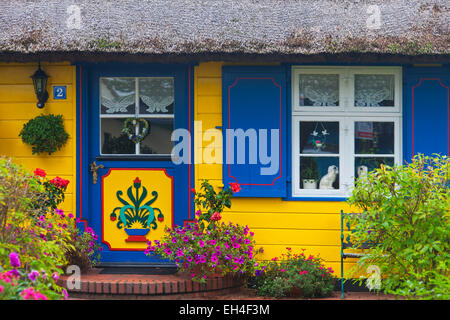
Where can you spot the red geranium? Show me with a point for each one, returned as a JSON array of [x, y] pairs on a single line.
[[59, 182], [235, 187], [40, 173], [216, 216]]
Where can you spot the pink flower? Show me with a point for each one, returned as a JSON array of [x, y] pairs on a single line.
[[282, 270], [1, 289], [14, 259]]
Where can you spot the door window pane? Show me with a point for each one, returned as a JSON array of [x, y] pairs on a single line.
[[117, 95], [156, 95], [319, 137], [320, 90], [113, 141], [374, 90], [158, 140], [374, 137]]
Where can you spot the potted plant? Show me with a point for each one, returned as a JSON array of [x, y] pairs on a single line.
[[45, 134], [309, 173]]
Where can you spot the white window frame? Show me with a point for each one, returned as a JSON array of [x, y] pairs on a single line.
[[346, 88], [346, 114]]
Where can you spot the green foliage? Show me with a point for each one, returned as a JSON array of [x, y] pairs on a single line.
[[43, 238], [309, 169], [45, 133], [405, 213], [209, 202], [294, 275], [85, 251]]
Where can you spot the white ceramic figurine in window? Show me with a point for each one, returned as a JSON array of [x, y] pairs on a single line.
[[327, 180]]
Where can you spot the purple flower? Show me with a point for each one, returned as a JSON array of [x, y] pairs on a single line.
[[14, 259], [202, 260], [213, 242], [180, 253], [33, 275], [214, 259], [236, 245], [55, 276], [201, 243], [185, 238], [189, 258], [41, 218], [174, 240]]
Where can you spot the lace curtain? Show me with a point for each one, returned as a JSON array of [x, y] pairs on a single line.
[[374, 90], [319, 90]]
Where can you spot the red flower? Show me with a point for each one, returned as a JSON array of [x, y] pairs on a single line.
[[39, 172], [235, 187], [192, 190], [59, 182], [216, 216]]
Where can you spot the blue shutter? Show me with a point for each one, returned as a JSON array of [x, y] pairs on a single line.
[[254, 105], [427, 111]]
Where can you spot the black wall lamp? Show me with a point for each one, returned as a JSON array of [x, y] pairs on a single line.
[[40, 86]]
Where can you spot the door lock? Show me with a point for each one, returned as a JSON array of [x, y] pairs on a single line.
[[94, 167]]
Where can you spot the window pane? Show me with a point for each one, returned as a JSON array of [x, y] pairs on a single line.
[[158, 140], [374, 138], [156, 95], [367, 164], [117, 95], [374, 90], [319, 173], [319, 137], [319, 90], [113, 141]]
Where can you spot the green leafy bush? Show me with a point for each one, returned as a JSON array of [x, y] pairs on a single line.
[[405, 214], [294, 275], [45, 133]]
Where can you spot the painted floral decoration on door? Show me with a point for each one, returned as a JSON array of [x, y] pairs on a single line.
[[137, 216]]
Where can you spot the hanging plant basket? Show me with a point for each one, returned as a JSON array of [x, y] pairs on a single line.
[[45, 134]]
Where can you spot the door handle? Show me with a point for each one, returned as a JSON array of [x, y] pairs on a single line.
[[94, 167]]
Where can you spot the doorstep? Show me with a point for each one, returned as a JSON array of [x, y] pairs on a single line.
[[95, 285]]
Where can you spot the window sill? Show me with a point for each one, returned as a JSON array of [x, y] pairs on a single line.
[[309, 198]]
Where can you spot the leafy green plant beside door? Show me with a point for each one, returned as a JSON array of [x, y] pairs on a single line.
[[45, 134]]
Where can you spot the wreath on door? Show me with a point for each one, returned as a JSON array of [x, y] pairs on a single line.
[[136, 134]]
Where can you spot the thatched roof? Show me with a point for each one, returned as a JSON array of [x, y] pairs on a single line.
[[224, 27]]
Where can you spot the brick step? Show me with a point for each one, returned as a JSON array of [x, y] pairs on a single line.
[[137, 286]]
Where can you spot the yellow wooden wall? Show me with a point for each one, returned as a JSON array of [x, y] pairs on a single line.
[[18, 105], [314, 226]]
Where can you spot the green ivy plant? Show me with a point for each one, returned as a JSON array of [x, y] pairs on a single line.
[[45, 133]]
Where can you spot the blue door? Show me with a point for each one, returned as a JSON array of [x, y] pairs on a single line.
[[130, 188]]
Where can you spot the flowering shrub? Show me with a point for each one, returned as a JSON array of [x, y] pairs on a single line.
[[34, 239], [294, 274], [405, 215], [17, 283], [53, 192], [226, 248], [212, 203], [208, 246], [85, 251]]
